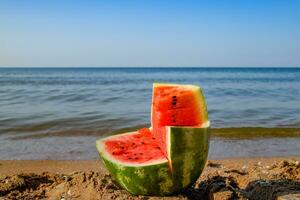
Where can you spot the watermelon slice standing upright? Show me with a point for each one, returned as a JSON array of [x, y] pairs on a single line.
[[171, 154]]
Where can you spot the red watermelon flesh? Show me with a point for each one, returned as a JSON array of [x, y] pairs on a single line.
[[137, 148]]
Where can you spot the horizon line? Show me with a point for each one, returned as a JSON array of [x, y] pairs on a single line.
[[6, 67]]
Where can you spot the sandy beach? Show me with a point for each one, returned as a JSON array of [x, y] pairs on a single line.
[[239, 178]]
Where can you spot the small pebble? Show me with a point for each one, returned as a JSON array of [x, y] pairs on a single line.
[[66, 178], [69, 192], [297, 163], [110, 190], [244, 167], [259, 163]]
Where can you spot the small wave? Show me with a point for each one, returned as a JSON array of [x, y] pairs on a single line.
[[236, 133], [254, 132], [77, 133]]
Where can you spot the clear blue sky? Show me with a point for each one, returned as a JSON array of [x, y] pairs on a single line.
[[149, 33]]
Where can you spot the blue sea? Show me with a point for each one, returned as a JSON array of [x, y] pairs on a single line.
[[58, 113]]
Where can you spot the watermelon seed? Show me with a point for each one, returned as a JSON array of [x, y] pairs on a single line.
[[143, 142], [158, 147], [174, 97]]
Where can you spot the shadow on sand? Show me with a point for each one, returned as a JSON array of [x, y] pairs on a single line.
[[219, 187]]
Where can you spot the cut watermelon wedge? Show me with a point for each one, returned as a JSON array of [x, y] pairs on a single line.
[[167, 157], [176, 105]]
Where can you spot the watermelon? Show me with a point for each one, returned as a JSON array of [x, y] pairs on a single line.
[[171, 154]]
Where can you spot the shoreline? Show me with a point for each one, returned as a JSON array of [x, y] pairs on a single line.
[[87, 179], [243, 132], [13, 167], [224, 143]]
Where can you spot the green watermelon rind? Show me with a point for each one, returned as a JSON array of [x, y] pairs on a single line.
[[189, 144], [187, 152], [142, 180]]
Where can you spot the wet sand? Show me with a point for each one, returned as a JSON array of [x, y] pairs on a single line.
[[239, 178]]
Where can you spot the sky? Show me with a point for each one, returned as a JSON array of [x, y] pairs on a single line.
[[150, 33]]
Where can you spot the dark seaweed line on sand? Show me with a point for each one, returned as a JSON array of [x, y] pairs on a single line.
[[230, 133]]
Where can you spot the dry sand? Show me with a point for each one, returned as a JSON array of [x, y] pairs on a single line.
[[251, 178]]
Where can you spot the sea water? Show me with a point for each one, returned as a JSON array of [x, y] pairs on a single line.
[[57, 113]]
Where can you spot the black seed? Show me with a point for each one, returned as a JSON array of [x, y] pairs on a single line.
[[158, 147], [173, 103], [129, 158], [143, 142], [174, 97]]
